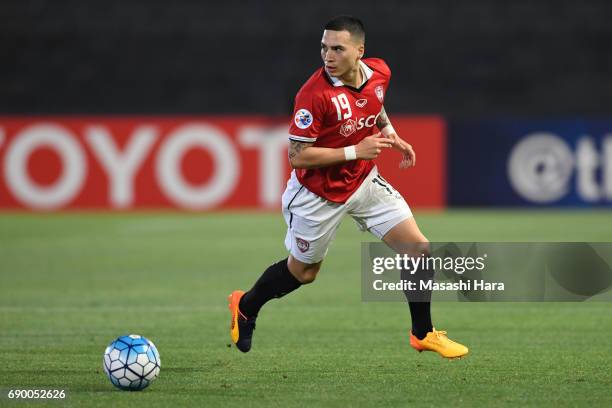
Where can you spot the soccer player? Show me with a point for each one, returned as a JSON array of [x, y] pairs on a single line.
[[333, 140]]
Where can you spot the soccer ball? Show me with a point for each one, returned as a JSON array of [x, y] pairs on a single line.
[[131, 362]]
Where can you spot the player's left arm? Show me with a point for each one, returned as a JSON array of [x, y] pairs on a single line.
[[384, 124]]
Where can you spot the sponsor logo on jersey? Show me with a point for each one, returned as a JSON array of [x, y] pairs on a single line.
[[351, 126], [348, 128], [380, 94], [361, 103], [302, 244], [303, 118]]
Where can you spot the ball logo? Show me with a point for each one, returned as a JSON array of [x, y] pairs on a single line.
[[303, 118], [361, 103], [540, 167], [348, 128], [302, 244], [380, 94]]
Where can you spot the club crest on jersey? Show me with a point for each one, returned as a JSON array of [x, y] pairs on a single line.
[[379, 93], [361, 103], [348, 128], [303, 118], [302, 244]]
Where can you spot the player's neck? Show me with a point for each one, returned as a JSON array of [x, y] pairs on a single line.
[[354, 77]]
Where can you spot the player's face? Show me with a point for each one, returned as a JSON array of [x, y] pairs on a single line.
[[340, 52]]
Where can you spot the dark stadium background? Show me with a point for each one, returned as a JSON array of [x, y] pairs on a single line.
[[507, 105], [490, 74], [476, 58]]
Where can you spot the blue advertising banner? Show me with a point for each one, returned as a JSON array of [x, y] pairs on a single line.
[[530, 162]]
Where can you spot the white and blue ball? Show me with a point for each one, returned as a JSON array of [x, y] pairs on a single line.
[[131, 362]]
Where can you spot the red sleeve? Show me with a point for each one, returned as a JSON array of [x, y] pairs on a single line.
[[308, 114]]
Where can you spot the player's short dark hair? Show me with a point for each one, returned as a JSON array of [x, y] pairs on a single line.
[[347, 23]]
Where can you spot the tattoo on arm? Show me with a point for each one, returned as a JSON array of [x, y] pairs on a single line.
[[383, 119], [296, 147]]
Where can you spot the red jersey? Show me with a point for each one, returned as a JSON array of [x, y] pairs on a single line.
[[331, 114]]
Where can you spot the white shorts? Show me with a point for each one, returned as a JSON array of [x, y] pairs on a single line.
[[312, 221]]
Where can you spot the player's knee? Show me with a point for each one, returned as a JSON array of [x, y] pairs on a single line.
[[308, 273], [303, 272], [423, 247], [417, 248], [308, 276]]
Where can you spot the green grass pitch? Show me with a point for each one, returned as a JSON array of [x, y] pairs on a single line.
[[71, 283]]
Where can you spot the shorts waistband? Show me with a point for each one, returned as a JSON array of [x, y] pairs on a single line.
[[373, 173]]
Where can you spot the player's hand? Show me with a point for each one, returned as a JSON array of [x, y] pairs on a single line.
[[370, 147], [408, 154]]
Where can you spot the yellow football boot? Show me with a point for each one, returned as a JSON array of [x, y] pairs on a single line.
[[438, 342], [241, 327]]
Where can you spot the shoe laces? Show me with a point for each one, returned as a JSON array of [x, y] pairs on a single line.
[[441, 336], [439, 333]]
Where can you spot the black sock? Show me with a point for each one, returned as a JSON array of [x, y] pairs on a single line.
[[419, 302], [275, 282]]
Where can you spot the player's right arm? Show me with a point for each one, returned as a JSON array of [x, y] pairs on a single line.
[[304, 155]]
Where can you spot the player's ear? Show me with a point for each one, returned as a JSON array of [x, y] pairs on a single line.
[[361, 50]]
